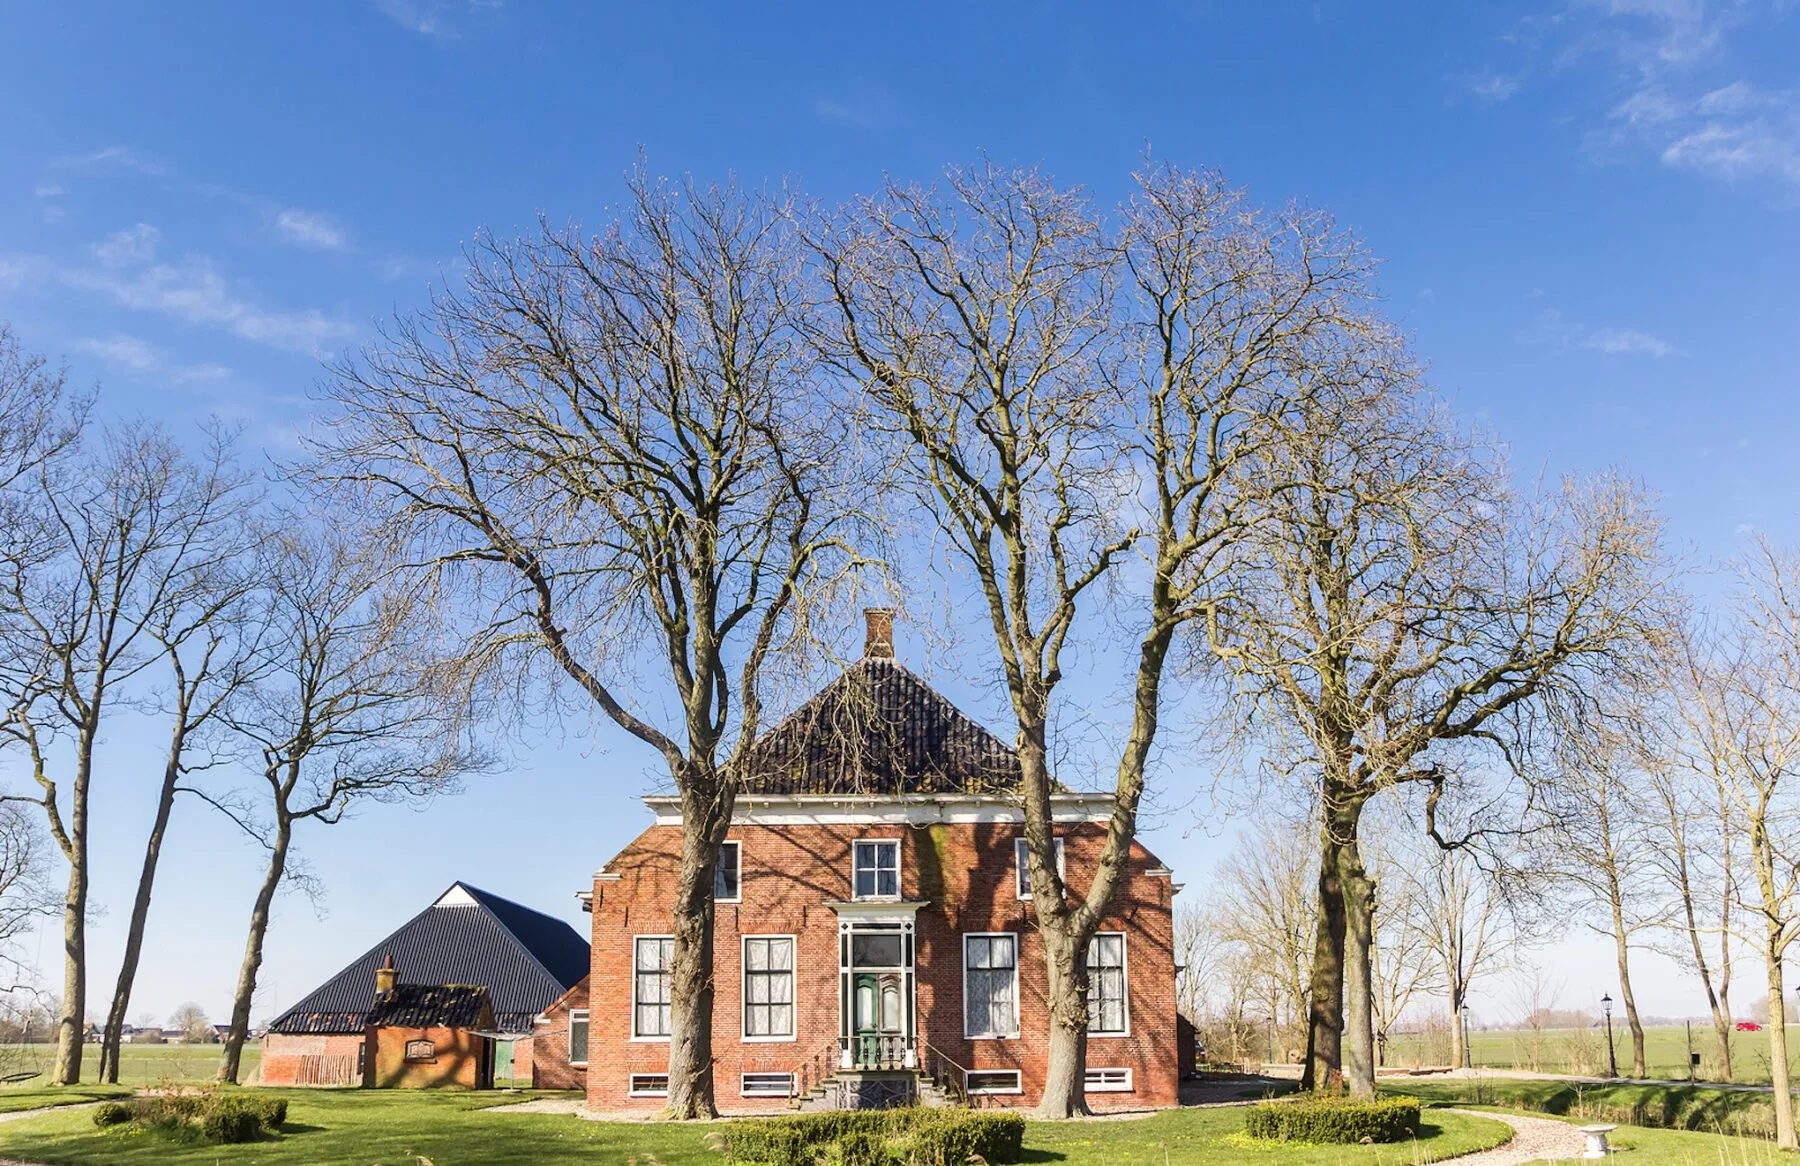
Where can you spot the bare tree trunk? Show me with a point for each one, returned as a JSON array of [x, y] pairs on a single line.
[[1325, 1003], [1065, 1085], [1358, 1050], [1778, 1050], [72, 1020], [691, 1089], [140, 907], [231, 1058], [1622, 950]]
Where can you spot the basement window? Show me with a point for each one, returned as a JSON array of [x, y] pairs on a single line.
[[981, 1082], [766, 1085], [1108, 1081], [648, 1085]]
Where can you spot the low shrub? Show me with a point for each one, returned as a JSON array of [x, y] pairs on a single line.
[[228, 1123], [111, 1113], [887, 1137], [1334, 1121], [202, 1115]]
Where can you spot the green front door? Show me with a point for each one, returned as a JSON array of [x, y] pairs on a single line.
[[867, 1020]]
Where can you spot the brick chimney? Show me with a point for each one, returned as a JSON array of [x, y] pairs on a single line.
[[385, 976], [878, 637]]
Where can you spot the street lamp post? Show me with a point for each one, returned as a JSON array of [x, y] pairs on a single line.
[[1612, 1060], [1468, 1056]]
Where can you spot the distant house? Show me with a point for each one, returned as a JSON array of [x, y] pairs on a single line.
[[523, 959]]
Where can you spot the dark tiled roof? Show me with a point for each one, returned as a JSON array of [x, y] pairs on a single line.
[[879, 729], [524, 958], [430, 1006]]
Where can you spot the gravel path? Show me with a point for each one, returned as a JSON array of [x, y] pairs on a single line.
[[1534, 1138]]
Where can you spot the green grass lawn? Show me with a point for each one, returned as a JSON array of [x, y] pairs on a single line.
[[1584, 1053], [138, 1064], [1674, 1148], [1696, 1108], [29, 1095], [356, 1128]]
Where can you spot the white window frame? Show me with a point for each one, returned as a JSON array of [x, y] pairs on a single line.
[[744, 992], [899, 870], [767, 1088], [632, 1089], [992, 1091], [1022, 871], [655, 1040], [1018, 1024], [1124, 986], [737, 859], [1118, 1085], [586, 1019]]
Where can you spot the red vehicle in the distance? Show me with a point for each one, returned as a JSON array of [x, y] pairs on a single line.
[[1748, 1026]]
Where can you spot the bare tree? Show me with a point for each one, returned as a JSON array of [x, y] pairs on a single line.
[[1601, 843], [617, 455], [38, 419], [191, 1022], [1461, 916], [25, 895], [347, 708], [1695, 839], [1402, 964], [1741, 716], [1395, 610], [109, 537], [199, 628], [1060, 397], [1263, 912]]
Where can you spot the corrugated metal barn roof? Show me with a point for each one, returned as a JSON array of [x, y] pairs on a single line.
[[524, 958]]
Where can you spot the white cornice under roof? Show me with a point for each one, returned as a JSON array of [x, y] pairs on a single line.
[[892, 810]]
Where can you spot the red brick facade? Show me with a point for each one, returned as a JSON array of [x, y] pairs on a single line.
[[961, 873], [550, 1064]]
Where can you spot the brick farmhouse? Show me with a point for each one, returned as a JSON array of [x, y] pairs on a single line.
[[875, 937]]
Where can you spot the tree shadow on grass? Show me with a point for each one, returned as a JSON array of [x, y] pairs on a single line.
[[1042, 1156]]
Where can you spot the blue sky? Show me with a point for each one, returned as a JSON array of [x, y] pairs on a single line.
[[1590, 212]]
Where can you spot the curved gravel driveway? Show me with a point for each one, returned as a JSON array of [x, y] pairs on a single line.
[[1534, 1139]]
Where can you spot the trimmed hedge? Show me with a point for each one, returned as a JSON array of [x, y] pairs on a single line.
[[1334, 1121], [877, 1137], [214, 1117]]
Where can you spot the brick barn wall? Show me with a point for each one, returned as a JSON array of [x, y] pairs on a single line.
[[550, 1068], [456, 1065], [965, 872], [297, 1059]]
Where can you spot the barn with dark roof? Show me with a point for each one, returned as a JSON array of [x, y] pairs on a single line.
[[523, 959]]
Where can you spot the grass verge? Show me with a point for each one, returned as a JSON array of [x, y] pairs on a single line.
[[356, 1128]]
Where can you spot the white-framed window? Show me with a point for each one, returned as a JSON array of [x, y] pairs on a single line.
[[990, 984], [728, 874], [578, 1036], [1107, 1081], [650, 986], [1109, 1012], [648, 1085], [766, 1085], [1022, 867], [875, 869], [985, 1081], [768, 987]]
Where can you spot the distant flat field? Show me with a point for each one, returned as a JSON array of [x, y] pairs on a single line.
[[138, 1064], [1583, 1052]]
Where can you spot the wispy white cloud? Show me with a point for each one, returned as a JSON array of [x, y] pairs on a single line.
[[309, 229], [1627, 342], [48, 190], [141, 356], [132, 245], [122, 349], [1492, 87], [111, 156], [439, 19], [867, 108], [1551, 326]]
